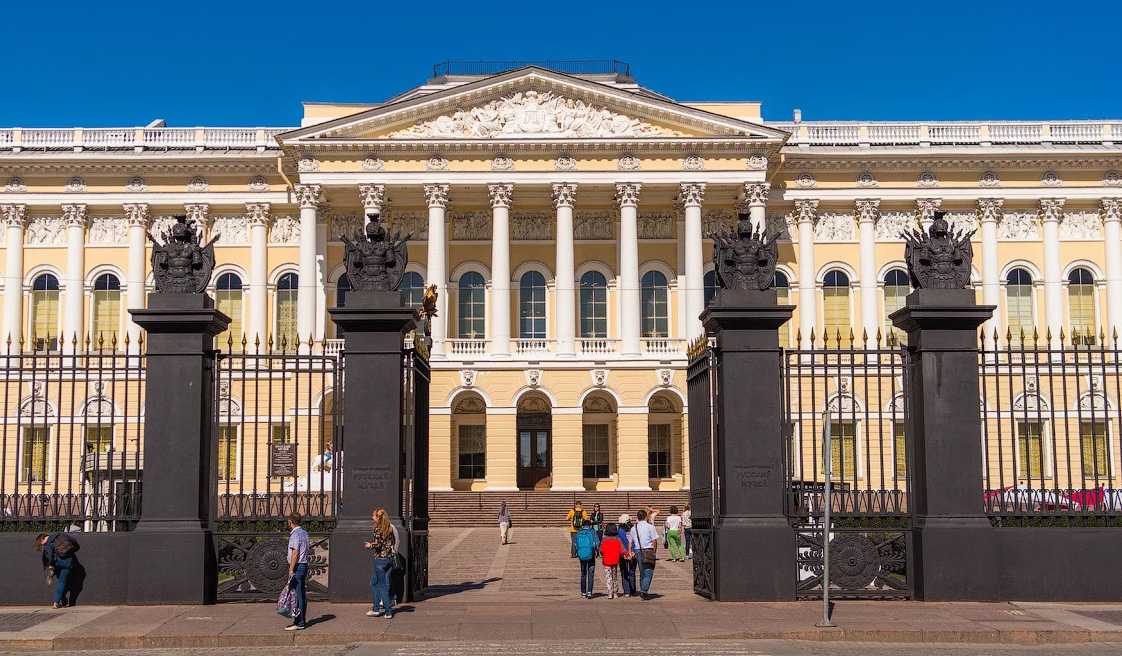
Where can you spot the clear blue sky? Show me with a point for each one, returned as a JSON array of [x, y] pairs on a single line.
[[126, 62]]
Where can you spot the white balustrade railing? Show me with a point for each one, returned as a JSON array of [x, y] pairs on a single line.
[[531, 345], [139, 138], [833, 134], [332, 347], [461, 346], [596, 345], [169, 137], [664, 345], [897, 133], [48, 138], [894, 133], [1016, 132], [108, 137], [7, 138], [954, 134], [1077, 132]]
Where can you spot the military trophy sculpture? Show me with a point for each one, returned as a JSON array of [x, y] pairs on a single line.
[[745, 260], [941, 258], [374, 260], [182, 264]]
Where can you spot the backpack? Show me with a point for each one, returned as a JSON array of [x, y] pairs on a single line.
[[578, 519], [65, 545], [586, 545]]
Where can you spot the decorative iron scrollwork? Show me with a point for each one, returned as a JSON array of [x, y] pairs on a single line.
[[255, 565], [701, 544], [863, 563]]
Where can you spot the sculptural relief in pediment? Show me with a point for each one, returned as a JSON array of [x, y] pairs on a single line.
[[533, 114]]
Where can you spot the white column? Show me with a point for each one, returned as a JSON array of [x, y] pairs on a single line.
[[137, 216], [437, 197], [755, 195], [309, 197], [1112, 234], [564, 198], [373, 197], [692, 195], [499, 325], [1051, 212], [257, 215], [74, 216], [808, 296], [15, 219], [627, 195], [868, 209], [319, 323], [989, 214]]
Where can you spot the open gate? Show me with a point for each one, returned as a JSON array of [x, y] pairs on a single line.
[[415, 477]]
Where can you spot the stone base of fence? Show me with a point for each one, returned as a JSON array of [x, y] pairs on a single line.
[[104, 558]]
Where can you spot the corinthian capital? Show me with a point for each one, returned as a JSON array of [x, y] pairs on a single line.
[[257, 214], [691, 194], [436, 195], [136, 214], [868, 209], [1111, 209], [14, 216], [373, 197], [755, 193], [925, 208], [308, 195], [501, 194], [806, 210], [627, 193], [74, 214], [1051, 209], [989, 210], [564, 194]]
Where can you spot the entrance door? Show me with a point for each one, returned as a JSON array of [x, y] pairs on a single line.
[[534, 467]]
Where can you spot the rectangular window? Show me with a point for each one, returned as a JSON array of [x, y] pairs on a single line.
[[835, 305], [1081, 299], [1093, 449], [1030, 449], [900, 444], [656, 322], [531, 312], [286, 320], [596, 452], [472, 310], [658, 450], [107, 317], [594, 311], [33, 468], [228, 452], [1018, 300], [44, 320], [783, 295], [98, 438], [473, 452], [894, 296], [229, 302], [843, 450]]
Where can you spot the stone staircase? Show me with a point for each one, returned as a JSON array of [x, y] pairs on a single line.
[[475, 509]]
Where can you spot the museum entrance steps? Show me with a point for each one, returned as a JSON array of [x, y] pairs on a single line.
[[545, 509]]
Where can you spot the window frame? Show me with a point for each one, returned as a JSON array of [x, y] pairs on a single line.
[[827, 335], [286, 294], [235, 321], [653, 467], [582, 316], [55, 337], [94, 333], [654, 290], [478, 462], [473, 304], [544, 304]]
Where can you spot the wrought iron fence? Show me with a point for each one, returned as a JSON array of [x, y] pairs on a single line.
[[72, 447], [1050, 418]]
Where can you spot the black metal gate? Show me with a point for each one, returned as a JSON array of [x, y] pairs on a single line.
[[701, 387], [860, 395], [278, 438], [415, 461]]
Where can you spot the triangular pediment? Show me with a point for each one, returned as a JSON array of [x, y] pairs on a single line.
[[530, 103]]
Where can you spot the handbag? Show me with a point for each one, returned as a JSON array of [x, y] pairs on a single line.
[[648, 557], [398, 562], [286, 602]]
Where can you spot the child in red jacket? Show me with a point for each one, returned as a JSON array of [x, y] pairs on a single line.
[[610, 551]]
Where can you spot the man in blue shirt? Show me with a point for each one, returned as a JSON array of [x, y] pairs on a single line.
[[645, 537], [298, 547]]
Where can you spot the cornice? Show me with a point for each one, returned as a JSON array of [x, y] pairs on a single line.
[[96, 199], [688, 145], [798, 160], [51, 163]]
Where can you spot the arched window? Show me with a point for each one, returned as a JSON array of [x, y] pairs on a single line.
[[342, 288], [783, 296], [896, 289], [1081, 305], [835, 309], [228, 298], [531, 305], [1018, 303], [412, 289], [44, 312], [655, 313], [288, 288], [711, 286], [471, 308], [593, 305], [106, 309]]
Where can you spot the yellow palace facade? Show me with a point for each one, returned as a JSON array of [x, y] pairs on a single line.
[[566, 220]]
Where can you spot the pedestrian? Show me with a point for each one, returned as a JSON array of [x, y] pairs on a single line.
[[611, 551], [588, 544], [575, 518], [383, 547], [59, 554], [674, 535], [687, 530], [597, 518], [628, 557], [298, 548], [504, 523], [644, 538]]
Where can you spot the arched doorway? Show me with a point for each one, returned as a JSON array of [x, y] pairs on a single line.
[[535, 441], [469, 443], [664, 442]]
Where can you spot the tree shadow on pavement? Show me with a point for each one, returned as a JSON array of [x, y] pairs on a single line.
[[434, 591]]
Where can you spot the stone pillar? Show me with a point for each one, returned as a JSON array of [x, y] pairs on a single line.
[[502, 450], [374, 324], [956, 551], [568, 450], [1051, 213], [868, 209], [989, 215], [754, 548], [437, 197], [500, 269], [564, 198], [691, 196], [627, 196], [1112, 236], [172, 558], [373, 197], [309, 198], [15, 219], [74, 216], [440, 452], [137, 216], [755, 195], [257, 215], [808, 289], [631, 450]]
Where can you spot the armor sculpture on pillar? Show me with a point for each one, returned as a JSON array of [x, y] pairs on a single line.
[[375, 261], [182, 264], [745, 259], [940, 259]]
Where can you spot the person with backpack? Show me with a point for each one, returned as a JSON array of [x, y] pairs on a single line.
[[575, 518], [59, 553], [611, 551], [597, 518], [588, 544]]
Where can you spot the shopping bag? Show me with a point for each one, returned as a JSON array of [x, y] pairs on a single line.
[[286, 602]]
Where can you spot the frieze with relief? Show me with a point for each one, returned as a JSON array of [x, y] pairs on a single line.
[[782, 226], [717, 221], [656, 226], [962, 221], [891, 225], [531, 227], [1081, 225], [407, 223], [532, 114], [471, 226], [340, 225], [108, 230], [232, 229], [285, 230], [834, 226], [162, 224], [45, 231], [593, 226], [1019, 226]]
